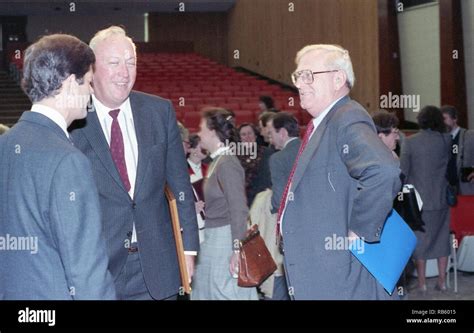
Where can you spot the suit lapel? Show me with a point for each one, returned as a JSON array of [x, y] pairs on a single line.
[[143, 129], [94, 133], [313, 144]]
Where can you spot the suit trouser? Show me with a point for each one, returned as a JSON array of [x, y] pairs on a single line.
[[130, 283]]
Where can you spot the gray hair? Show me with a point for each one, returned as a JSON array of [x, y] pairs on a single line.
[[114, 30], [336, 58]]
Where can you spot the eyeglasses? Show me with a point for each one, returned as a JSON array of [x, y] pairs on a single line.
[[307, 76]]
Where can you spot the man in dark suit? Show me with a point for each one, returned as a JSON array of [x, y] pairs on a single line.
[[133, 142], [52, 241], [460, 153], [342, 185], [284, 132]]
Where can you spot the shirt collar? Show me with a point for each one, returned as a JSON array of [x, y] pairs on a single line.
[[455, 132], [319, 119], [194, 165], [103, 111], [289, 140], [51, 114], [219, 151]]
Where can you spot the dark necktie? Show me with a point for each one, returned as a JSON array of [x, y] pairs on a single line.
[[283, 200], [117, 149]]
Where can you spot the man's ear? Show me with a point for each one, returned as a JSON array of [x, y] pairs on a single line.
[[340, 79]]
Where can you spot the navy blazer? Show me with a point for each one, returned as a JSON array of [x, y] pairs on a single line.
[[161, 160], [48, 196]]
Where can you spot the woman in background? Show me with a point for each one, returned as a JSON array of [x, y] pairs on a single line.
[[226, 213], [424, 160]]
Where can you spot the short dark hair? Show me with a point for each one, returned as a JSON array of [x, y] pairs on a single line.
[[450, 110], [50, 61], [268, 101], [265, 117], [430, 117], [287, 121], [384, 121], [222, 121], [194, 140]]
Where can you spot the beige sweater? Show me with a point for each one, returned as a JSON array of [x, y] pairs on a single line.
[[224, 194]]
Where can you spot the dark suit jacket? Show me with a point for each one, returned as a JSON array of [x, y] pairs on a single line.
[[47, 191], [161, 160], [281, 164], [346, 179]]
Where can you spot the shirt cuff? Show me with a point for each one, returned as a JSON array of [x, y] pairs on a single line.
[[190, 253]]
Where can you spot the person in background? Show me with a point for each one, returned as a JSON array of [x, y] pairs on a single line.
[[184, 133], [197, 173], [252, 164], [226, 213], [386, 124], [284, 132], [424, 161], [267, 104], [462, 151], [47, 188]]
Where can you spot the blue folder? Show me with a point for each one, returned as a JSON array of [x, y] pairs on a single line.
[[387, 259]]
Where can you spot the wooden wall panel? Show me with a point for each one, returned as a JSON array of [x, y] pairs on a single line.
[[390, 75], [207, 31], [268, 35], [453, 80]]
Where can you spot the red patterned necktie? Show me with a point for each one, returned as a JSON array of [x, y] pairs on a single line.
[[117, 149], [283, 199]]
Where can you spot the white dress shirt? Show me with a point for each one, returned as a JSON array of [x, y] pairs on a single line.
[[316, 122], [455, 132], [197, 169], [51, 114], [127, 126]]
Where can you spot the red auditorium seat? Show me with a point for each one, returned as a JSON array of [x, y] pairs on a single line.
[[215, 100], [222, 93], [192, 120], [239, 100], [462, 217], [244, 93], [231, 106], [185, 109], [244, 116], [250, 106]]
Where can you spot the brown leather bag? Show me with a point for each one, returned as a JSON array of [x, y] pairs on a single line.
[[256, 263]]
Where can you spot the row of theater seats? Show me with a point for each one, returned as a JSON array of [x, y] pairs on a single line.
[[192, 82]]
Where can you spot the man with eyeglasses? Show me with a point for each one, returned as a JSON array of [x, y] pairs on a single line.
[[342, 185]]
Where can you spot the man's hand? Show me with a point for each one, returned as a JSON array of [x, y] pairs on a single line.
[[190, 265], [234, 263], [199, 206], [352, 236]]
